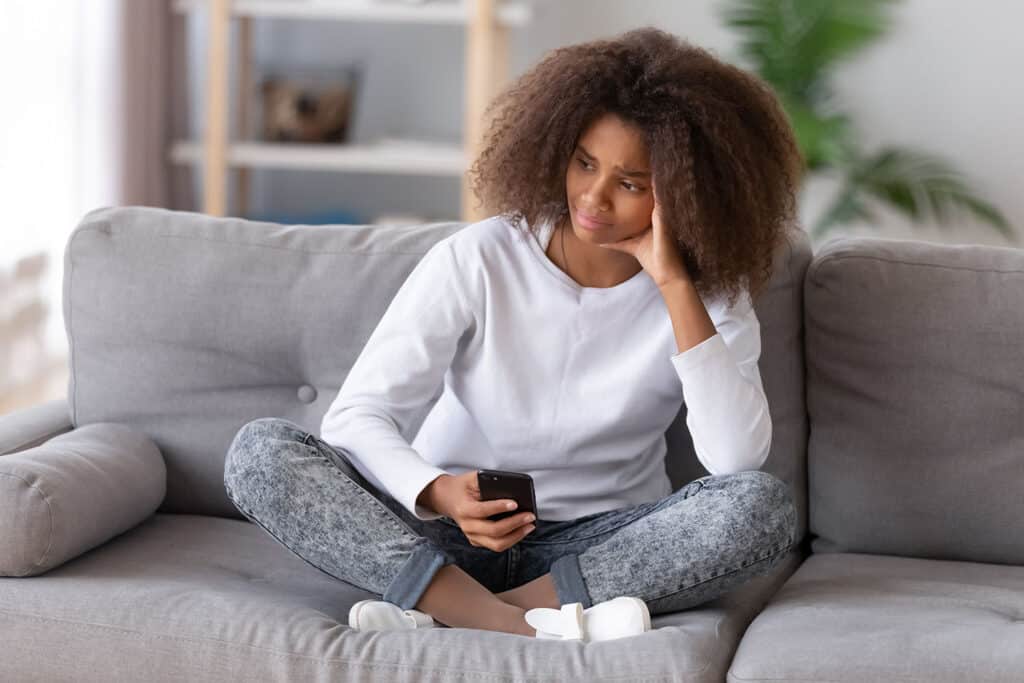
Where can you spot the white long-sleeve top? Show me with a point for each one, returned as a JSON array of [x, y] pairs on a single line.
[[572, 385]]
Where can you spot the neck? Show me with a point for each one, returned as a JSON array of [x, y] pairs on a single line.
[[590, 265]]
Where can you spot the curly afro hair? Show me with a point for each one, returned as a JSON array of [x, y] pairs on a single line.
[[722, 152]]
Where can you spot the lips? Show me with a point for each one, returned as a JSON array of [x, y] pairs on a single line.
[[590, 221]]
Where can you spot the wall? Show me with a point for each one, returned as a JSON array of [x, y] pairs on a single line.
[[944, 80]]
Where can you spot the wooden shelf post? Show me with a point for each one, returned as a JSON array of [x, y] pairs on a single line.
[[215, 166], [486, 70]]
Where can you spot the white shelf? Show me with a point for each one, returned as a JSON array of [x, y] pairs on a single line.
[[484, 24], [413, 157], [438, 12]]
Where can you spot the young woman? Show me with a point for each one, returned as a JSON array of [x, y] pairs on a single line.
[[640, 189]]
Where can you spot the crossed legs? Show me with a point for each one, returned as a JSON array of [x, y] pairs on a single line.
[[456, 599]]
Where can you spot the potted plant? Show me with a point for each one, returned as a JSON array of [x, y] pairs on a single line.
[[795, 45]]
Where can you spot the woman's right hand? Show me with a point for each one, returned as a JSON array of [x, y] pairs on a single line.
[[458, 498]]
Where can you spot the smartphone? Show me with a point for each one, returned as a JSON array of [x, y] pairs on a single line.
[[498, 484]]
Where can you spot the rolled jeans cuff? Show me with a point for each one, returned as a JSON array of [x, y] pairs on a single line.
[[412, 580], [569, 584]]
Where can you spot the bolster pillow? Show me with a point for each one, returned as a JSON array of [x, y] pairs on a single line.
[[75, 492]]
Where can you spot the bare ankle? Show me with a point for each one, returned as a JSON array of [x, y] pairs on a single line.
[[506, 619], [510, 598], [517, 623], [537, 593]]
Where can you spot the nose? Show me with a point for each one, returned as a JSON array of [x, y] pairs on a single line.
[[594, 198]]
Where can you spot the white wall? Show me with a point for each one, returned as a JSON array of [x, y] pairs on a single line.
[[59, 137], [946, 79]]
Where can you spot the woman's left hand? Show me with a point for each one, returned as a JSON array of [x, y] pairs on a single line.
[[655, 249]]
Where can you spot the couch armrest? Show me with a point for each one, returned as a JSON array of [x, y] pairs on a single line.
[[74, 491], [29, 427]]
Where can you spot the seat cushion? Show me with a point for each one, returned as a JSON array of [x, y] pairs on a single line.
[[197, 598], [859, 617]]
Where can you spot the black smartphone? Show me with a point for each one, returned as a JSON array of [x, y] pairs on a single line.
[[498, 484]]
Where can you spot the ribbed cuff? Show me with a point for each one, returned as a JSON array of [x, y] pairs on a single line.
[[569, 584], [408, 587], [687, 360]]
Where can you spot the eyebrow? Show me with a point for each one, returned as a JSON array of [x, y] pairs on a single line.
[[632, 174]]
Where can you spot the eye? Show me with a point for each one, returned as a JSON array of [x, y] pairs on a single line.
[[628, 185]]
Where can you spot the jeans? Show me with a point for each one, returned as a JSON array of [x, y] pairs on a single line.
[[699, 542]]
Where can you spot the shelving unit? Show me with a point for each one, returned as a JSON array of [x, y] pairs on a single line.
[[486, 24], [398, 156]]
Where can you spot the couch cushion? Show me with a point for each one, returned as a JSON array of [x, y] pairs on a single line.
[[188, 597], [74, 492], [915, 379], [186, 326], [858, 617], [30, 426]]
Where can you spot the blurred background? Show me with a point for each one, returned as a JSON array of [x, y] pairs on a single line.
[[369, 111]]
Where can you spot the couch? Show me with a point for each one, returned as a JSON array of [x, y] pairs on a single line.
[[894, 371]]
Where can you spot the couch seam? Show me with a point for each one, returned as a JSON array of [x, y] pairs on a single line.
[[71, 325], [330, 661], [279, 248], [732, 676], [826, 259], [38, 440], [49, 512]]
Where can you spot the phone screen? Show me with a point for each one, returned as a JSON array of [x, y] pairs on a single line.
[[499, 484]]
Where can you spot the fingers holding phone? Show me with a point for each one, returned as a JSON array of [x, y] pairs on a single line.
[[477, 502], [501, 486], [500, 535]]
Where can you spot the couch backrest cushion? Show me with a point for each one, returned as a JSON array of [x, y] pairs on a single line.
[[187, 326], [915, 396]]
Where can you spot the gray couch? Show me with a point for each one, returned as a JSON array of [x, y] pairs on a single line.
[[895, 375]]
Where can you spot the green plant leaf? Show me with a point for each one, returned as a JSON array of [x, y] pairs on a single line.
[[847, 207], [825, 140], [917, 184], [793, 44]]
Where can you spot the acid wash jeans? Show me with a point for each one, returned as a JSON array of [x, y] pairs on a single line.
[[699, 542]]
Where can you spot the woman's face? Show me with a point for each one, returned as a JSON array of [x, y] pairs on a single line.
[[609, 180]]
